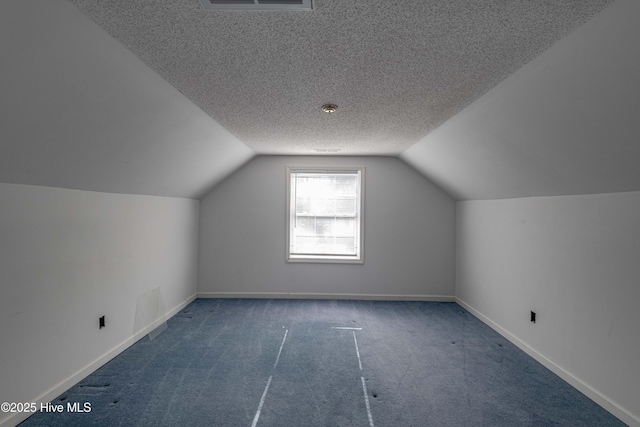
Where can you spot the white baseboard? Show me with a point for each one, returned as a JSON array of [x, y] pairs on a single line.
[[593, 394], [15, 419], [302, 295]]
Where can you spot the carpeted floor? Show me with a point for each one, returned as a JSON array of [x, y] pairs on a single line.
[[304, 363]]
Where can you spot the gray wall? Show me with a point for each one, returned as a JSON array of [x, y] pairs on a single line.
[[409, 235], [68, 257], [575, 261]]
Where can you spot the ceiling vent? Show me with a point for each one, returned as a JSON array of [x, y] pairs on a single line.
[[327, 150], [258, 4]]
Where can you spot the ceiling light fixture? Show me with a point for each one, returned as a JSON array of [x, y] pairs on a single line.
[[329, 108]]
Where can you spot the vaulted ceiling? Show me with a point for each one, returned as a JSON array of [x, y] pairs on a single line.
[[489, 99]]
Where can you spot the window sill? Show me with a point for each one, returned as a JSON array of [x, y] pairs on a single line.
[[325, 259]]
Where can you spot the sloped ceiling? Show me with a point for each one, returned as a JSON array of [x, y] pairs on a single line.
[[78, 110], [566, 123], [180, 96]]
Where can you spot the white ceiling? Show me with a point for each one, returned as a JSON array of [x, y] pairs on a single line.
[[566, 123], [167, 98], [396, 69]]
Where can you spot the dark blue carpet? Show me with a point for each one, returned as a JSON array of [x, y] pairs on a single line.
[[420, 364]]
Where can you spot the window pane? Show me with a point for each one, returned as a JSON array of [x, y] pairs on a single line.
[[305, 226], [303, 205], [324, 226], [325, 245], [345, 245], [346, 184], [345, 227], [346, 207]]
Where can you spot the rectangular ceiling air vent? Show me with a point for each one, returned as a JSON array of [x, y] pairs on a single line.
[[258, 4]]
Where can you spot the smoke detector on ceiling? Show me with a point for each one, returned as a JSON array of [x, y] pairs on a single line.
[[258, 4]]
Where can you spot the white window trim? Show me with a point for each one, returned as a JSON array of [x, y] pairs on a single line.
[[334, 259]]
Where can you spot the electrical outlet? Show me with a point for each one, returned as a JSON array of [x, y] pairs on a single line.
[[533, 317], [101, 321]]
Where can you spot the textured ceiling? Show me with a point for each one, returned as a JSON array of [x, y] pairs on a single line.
[[565, 123], [396, 69], [78, 110]]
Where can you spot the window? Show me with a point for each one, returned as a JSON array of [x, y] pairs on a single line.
[[324, 214]]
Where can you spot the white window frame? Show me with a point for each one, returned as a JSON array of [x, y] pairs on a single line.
[[358, 258]]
